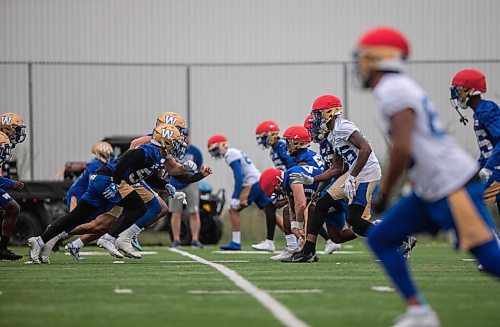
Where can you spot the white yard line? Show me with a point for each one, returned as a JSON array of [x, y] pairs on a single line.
[[91, 253], [270, 253], [230, 292], [280, 312], [216, 261]]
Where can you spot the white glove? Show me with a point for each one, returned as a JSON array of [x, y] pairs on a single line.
[[180, 196], [302, 178], [170, 190], [110, 191], [350, 187], [189, 166], [485, 174], [234, 204]]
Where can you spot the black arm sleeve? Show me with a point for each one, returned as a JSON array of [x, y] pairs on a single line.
[[156, 182], [189, 178], [129, 158]]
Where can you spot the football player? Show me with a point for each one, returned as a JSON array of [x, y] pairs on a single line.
[[447, 192], [246, 191], [111, 186], [14, 128], [357, 172], [9, 133], [466, 89]]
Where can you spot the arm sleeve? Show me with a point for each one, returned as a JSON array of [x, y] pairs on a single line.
[[189, 178], [129, 158], [491, 120], [6, 183], [156, 182], [238, 178]]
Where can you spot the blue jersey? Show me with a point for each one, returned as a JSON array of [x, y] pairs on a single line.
[[280, 158], [80, 185], [306, 170], [151, 164], [5, 183], [487, 128], [326, 151], [310, 158], [193, 154]]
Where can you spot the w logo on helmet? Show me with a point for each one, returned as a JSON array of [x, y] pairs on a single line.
[[167, 133], [170, 120], [6, 120]]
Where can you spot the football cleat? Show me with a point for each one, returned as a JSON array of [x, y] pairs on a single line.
[[124, 245], [175, 244], [109, 245], [231, 246], [286, 254], [302, 257], [6, 254], [408, 246], [196, 244], [420, 319], [35, 249], [74, 252], [330, 247], [266, 245], [135, 243], [47, 249]]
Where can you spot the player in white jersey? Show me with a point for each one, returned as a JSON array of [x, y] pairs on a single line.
[[356, 168], [246, 191], [447, 192]]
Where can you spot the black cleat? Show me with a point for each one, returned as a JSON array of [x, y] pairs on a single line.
[[302, 257], [6, 254], [408, 246]]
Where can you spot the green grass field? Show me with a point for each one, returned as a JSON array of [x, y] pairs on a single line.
[[67, 293]]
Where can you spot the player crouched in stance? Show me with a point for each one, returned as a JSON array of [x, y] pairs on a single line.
[[447, 193], [357, 172], [12, 131], [111, 186], [246, 191], [466, 89]]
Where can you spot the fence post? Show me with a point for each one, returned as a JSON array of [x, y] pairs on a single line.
[[31, 123], [345, 67]]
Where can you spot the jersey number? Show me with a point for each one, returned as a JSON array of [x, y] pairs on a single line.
[[347, 154]]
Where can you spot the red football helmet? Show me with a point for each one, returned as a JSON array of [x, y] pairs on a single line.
[[297, 137], [267, 133], [324, 109], [308, 124], [270, 179], [380, 49], [466, 83], [217, 146]]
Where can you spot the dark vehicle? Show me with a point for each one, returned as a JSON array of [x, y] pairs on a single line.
[[43, 201]]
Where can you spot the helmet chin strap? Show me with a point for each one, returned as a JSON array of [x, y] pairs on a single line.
[[463, 119]]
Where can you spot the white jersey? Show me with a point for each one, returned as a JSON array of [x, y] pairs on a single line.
[[438, 165], [339, 138], [251, 174]]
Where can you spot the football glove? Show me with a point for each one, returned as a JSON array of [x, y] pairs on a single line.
[[180, 196], [350, 187], [485, 174], [169, 190], [110, 191], [234, 204], [189, 166], [302, 178]]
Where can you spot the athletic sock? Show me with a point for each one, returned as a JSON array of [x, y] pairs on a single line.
[[131, 231], [4, 241], [309, 248], [291, 241], [236, 237], [78, 243], [109, 237]]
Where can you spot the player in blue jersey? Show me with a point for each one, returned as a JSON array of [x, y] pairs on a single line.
[[267, 136], [111, 186], [466, 89], [246, 191], [8, 206], [102, 153], [447, 191]]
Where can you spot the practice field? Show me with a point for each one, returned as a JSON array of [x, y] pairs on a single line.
[[168, 288]]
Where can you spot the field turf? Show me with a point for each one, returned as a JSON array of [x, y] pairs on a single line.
[[67, 293]]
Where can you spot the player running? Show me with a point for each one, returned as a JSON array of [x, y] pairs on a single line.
[[447, 192], [12, 131], [246, 191], [466, 89]]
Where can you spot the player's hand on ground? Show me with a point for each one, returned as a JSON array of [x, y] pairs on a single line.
[[350, 187], [302, 178], [206, 170], [189, 166], [18, 186]]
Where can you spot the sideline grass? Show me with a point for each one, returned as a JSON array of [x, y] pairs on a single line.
[[66, 293]]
